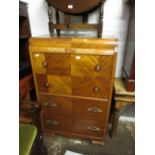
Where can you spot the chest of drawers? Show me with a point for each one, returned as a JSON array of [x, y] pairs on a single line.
[[73, 80]]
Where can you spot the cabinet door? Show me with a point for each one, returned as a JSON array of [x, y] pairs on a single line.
[[91, 66]]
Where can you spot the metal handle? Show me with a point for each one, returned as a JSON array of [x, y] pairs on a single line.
[[93, 128], [96, 89], [50, 105], [52, 122], [98, 68], [94, 109], [44, 64], [47, 85]]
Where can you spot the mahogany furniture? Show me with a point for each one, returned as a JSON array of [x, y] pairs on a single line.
[[122, 97], [72, 8], [25, 71], [74, 81], [128, 69]]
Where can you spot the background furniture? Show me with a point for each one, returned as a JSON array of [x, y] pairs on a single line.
[[76, 8], [122, 97], [128, 69], [25, 72], [30, 129], [74, 82], [28, 141]]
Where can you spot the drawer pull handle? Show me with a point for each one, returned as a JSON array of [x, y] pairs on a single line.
[[52, 122], [44, 64], [47, 85], [93, 128], [94, 109], [96, 89], [50, 105], [98, 68]]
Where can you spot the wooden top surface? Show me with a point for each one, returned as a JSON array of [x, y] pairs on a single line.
[[119, 87], [74, 6], [74, 45]]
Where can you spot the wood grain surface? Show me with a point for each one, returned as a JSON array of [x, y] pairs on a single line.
[[74, 7]]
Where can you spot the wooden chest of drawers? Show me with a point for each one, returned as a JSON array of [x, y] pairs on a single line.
[[74, 79]]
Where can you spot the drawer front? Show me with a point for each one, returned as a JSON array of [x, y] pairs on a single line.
[[38, 61], [53, 84], [90, 87], [58, 64], [91, 66], [90, 128], [56, 105], [59, 84], [55, 122], [41, 83], [89, 109]]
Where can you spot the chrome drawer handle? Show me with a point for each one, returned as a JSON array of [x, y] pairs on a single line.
[[94, 109], [96, 89], [52, 122], [98, 68], [50, 105], [44, 64], [47, 85], [93, 128]]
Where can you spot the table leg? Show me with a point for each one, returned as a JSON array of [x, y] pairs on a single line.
[[115, 118]]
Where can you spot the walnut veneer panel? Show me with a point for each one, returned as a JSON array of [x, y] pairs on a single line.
[[91, 66], [89, 109], [56, 122], [56, 105], [59, 84], [58, 64], [38, 59], [41, 82], [87, 127], [90, 87]]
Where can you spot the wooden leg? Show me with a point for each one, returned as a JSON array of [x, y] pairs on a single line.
[[115, 118]]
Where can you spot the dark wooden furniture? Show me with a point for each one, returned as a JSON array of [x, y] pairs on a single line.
[[74, 82], [128, 70], [72, 8], [26, 84], [30, 114], [121, 98]]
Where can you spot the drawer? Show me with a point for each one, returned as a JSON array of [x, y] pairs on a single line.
[[91, 87], [52, 63], [90, 128], [54, 84], [41, 83], [91, 66], [56, 105], [38, 62], [56, 122], [58, 64], [89, 109]]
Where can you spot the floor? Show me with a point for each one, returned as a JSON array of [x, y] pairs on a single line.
[[122, 144]]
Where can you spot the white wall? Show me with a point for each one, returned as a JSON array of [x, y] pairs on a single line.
[[116, 16]]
